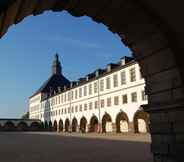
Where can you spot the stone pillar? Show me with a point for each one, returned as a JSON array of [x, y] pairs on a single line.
[[114, 129], [167, 130], [131, 127], [100, 128], [164, 87]]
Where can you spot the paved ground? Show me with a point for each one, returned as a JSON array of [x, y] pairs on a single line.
[[53, 147]]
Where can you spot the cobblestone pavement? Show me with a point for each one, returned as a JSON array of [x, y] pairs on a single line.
[[54, 147]]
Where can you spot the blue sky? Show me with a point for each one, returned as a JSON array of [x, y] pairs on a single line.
[[27, 51]]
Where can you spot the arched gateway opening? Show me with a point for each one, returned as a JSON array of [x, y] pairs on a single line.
[[83, 125], [9, 126], [147, 29], [55, 126], [74, 125], [106, 123], [94, 127], [60, 125], [50, 126], [141, 122], [35, 126], [22, 126], [67, 125], [46, 126], [122, 123]]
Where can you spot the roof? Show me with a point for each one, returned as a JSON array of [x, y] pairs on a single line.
[[55, 81]]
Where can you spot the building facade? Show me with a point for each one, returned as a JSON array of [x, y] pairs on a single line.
[[107, 100]]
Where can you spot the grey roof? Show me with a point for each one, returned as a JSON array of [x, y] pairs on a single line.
[[55, 81]]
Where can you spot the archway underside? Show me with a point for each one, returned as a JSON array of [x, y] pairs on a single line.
[[144, 35]]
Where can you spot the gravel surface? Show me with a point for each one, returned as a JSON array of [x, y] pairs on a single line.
[[54, 147]]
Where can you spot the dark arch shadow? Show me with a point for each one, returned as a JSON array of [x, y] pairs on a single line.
[[9, 126], [60, 125], [83, 124], [94, 124], [67, 125], [140, 114], [74, 125], [50, 126], [106, 118], [46, 126], [122, 122], [55, 126], [35, 126], [22, 126]]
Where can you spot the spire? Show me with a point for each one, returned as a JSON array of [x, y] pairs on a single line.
[[56, 66]]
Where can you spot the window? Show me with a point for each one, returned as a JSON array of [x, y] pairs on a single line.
[[85, 90], [134, 97], [132, 75], [123, 78], [102, 85], [108, 102], [108, 84], [65, 97], [68, 96], [76, 108], [56, 100], [116, 100], [124, 99], [85, 107], [144, 96], [71, 95], [76, 94], [90, 89], [72, 109], [80, 108], [59, 101], [65, 110], [68, 110], [115, 80], [102, 104], [90, 105], [61, 98], [95, 87], [96, 104], [80, 92]]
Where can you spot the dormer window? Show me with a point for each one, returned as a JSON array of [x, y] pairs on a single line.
[[109, 68], [97, 73]]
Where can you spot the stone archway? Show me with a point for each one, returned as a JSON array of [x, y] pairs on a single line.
[[94, 125], [35, 126], [9, 126], [50, 126], [148, 29], [55, 126], [46, 126], [74, 125], [67, 125], [60, 125], [122, 123], [106, 123], [83, 125], [141, 122], [22, 126], [42, 126]]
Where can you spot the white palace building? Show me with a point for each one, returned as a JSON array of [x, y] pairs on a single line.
[[107, 100]]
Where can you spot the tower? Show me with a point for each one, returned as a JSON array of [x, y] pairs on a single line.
[[56, 66]]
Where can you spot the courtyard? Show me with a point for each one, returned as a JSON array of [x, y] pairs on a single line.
[[74, 147]]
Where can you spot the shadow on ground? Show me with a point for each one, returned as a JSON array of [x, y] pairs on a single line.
[[43, 147]]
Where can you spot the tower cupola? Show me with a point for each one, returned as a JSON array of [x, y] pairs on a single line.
[[56, 66]]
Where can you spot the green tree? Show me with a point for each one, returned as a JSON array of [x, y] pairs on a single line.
[[25, 116]]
